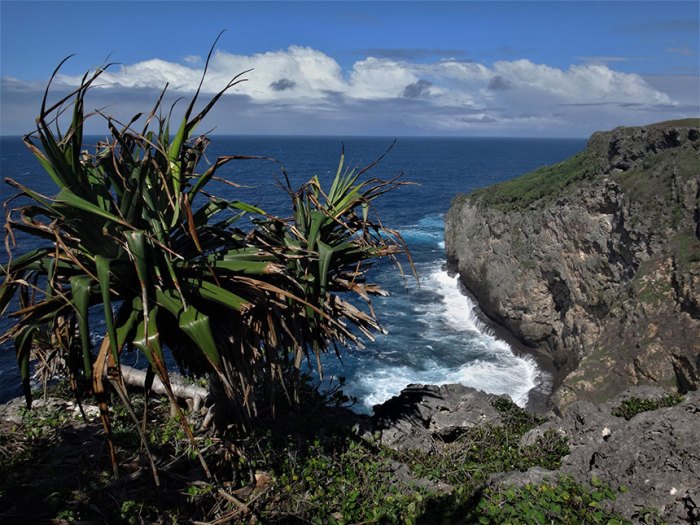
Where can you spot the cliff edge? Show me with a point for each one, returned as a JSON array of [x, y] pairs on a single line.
[[595, 261]]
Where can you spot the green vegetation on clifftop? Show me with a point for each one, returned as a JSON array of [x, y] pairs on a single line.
[[655, 179], [536, 186]]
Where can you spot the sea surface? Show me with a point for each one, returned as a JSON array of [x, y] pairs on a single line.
[[433, 332]]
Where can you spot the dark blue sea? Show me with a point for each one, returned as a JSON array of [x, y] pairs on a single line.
[[433, 334]]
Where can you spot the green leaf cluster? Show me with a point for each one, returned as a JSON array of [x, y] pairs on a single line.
[[563, 501], [346, 485]]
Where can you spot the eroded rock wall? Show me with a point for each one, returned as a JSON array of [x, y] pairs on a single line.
[[602, 274]]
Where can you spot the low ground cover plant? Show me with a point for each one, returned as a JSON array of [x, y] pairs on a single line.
[[635, 405]]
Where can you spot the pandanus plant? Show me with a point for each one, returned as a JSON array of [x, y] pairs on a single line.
[[133, 228]]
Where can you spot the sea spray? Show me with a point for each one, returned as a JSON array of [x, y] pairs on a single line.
[[453, 346]]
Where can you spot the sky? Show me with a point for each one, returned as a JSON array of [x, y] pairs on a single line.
[[460, 68]]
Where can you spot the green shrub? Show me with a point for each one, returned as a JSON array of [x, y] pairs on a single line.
[[134, 232], [564, 502], [635, 405]]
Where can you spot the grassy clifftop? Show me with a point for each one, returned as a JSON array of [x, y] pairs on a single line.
[[535, 187], [599, 158]]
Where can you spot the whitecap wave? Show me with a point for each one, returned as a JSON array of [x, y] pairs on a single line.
[[490, 364], [427, 231]]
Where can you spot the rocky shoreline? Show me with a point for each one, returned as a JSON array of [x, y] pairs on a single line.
[[592, 266]]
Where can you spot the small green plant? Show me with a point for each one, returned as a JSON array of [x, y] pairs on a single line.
[[563, 502], [42, 422], [67, 516], [635, 405], [515, 418], [197, 491], [647, 516], [130, 511]]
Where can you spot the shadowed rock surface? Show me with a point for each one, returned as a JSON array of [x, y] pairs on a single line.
[[595, 261], [655, 455], [422, 414]]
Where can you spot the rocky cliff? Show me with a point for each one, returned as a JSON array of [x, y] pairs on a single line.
[[595, 261]]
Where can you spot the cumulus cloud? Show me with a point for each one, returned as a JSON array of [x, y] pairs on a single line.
[[306, 73], [446, 95], [282, 84], [417, 89], [498, 83]]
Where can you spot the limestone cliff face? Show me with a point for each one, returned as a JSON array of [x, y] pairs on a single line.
[[595, 260]]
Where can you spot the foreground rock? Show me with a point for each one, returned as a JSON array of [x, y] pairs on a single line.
[[424, 414], [595, 261], [655, 455]]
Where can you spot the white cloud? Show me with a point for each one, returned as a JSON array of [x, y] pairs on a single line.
[[154, 73], [445, 95], [192, 59], [309, 73], [588, 84], [375, 78], [306, 73]]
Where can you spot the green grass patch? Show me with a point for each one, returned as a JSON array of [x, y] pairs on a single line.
[[679, 123], [653, 291], [651, 184], [467, 462], [635, 405], [686, 249], [537, 186]]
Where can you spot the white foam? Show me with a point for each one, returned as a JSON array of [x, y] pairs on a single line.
[[502, 373], [459, 310]]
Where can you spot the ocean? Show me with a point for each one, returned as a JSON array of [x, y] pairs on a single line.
[[433, 332]]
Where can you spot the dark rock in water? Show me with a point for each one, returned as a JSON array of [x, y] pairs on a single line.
[[655, 455], [422, 414], [595, 261]]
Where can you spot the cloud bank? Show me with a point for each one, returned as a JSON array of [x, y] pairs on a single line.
[[303, 90]]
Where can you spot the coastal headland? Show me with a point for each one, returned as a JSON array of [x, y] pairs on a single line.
[[594, 263]]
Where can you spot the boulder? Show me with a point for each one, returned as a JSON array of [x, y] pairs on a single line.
[[422, 415]]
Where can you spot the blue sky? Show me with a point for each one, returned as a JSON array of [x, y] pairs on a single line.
[[553, 68]]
